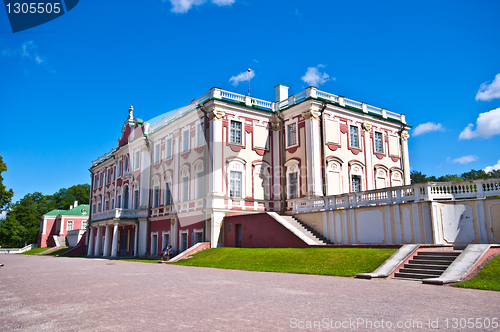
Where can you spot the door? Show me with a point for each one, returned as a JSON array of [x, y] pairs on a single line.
[[123, 243], [154, 245], [238, 235], [184, 241]]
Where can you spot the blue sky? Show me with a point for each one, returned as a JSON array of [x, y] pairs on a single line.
[[66, 85]]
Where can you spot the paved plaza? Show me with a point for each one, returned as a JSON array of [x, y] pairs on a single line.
[[78, 294]]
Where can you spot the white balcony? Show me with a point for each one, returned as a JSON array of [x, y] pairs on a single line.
[[120, 214]]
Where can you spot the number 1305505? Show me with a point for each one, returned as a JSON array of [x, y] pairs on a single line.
[[33, 8]]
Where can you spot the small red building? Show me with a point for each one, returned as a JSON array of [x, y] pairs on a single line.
[[64, 227]]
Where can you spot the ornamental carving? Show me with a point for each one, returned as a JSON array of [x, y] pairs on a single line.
[[275, 124], [176, 133], [367, 126], [311, 114], [216, 114], [405, 136]]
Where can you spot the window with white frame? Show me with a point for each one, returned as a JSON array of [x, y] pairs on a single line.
[[119, 201], [200, 136], [100, 179], [355, 183], [169, 148], [93, 208], [98, 207], [136, 199], [291, 134], [157, 153], [120, 165], [70, 225], [165, 239], [112, 203], [199, 185], [235, 132], [293, 187], [126, 165], [96, 178], [156, 197], [354, 136], [379, 146], [185, 189], [126, 195], [168, 193], [114, 173], [137, 160], [106, 205], [154, 244], [235, 184], [356, 175], [85, 223], [185, 141], [108, 176]]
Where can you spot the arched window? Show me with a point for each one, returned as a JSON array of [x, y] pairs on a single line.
[[126, 197], [396, 177], [356, 176], [236, 177], [168, 189], [293, 178], [261, 179], [156, 191], [185, 177], [334, 176], [381, 176]]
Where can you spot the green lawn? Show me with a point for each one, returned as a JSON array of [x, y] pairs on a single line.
[[344, 262], [58, 252], [488, 278], [33, 251]]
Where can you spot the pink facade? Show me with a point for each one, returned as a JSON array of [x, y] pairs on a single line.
[[57, 223]]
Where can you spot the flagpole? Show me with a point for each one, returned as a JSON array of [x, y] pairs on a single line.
[[248, 79]]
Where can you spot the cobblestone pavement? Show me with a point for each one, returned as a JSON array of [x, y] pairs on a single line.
[[77, 294]]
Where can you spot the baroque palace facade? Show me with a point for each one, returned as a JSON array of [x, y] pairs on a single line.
[[172, 181]]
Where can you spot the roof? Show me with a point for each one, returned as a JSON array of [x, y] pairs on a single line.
[[80, 210]]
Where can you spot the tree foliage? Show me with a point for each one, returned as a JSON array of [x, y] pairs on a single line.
[[22, 223], [5, 194], [419, 177]]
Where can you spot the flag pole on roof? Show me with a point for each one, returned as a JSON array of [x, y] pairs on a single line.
[[248, 79]]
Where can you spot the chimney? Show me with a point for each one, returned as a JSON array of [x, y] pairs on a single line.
[[76, 203], [281, 92]]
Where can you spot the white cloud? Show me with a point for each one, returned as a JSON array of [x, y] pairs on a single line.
[[3, 215], [491, 91], [314, 77], [183, 6], [427, 128], [492, 168], [241, 77], [465, 159], [28, 50], [487, 125]]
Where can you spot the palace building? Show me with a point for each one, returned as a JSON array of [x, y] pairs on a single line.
[[174, 179]]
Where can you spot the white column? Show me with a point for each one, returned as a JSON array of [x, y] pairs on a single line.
[[406, 160], [368, 162], [90, 247], [276, 165], [313, 155], [173, 234], [145, 183], [61, 229], [107, 240], [136, 237], [217, 218], [143, 238], [114, 247], [97, 248], [216, 153], [176, 142]]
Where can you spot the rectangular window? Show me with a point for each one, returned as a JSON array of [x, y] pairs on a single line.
[[70, 225], [292, 134], [354, 136], [229, 228], [201, 135], [379, 147], [199, 185], [112, 204], [114, 173], [185, 189], [137, 160], [157, 153], [235, 134], [156, 197], [356, 183], [119, 201], [235, 184], [168, 194], [125, 165], [136, 199], [169, 149], [93, 208], [108, 176], [95, 181], [293, 179], [106, 206], [185, 141], [120, 168], [99, 207], [84, 224], [100, 179]]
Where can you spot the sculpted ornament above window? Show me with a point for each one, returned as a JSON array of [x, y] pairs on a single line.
[[216, 114], [310, 114], [405, 136], [367, 126]]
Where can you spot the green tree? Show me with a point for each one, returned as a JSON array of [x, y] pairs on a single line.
[[5, 195], [475, 175], [66, 197], [418, 177]]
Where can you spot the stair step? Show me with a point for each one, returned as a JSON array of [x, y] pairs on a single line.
[[416, 276], [439, 253], [429, 262], [434, 258], [421, 271], [426, 266]]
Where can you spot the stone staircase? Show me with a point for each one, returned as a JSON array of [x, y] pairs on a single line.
[[317, 238], [427, 264]]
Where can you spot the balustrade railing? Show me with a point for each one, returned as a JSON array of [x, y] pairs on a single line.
[[120, 214], [419, 192]]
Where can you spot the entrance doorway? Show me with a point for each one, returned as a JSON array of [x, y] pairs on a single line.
[[239, 236], [123, 243]]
